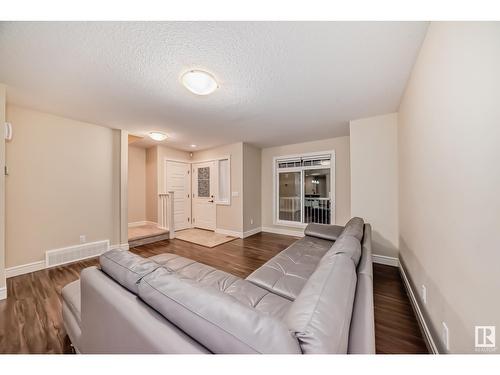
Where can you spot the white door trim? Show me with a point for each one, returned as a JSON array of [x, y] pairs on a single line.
[[165, 184], [213, 188]]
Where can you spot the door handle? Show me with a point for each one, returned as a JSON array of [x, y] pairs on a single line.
[[211, 201]]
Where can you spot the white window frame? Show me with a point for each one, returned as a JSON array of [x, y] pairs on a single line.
[[277, 171], [226, 202]]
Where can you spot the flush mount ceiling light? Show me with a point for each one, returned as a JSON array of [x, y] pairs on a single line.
[[158, 136], [193, 146], [199, 82]]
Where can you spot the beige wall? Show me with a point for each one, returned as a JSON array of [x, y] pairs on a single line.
[[136, 184], [374, 179], [251, 187], [2, 186], [342, 177], [63, 182], [152, 184], [449, 146], [229, 217]]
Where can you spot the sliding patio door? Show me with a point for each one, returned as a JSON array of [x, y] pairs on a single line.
[[290, 193], [304, 190]]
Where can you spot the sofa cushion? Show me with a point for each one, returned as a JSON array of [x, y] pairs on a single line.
[[320, 316], [242, 290], [286, 273], [347, 245], [172, 262], [217, 320], [324, 231], [354, 227], [126, 268]]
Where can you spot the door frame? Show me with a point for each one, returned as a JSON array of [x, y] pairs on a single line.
[[214, 184], [165, 183], [216, 176]]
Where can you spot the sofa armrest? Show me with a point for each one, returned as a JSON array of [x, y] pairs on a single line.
[[323, 231], [115, 321]]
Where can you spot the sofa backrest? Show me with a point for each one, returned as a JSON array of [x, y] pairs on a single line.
[[126, 268], [362, 331], [354, 227], [347, 245], [321, 314], [218, 321], [323, 231]]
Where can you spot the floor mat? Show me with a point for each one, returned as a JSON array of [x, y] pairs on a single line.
[[202, 237]]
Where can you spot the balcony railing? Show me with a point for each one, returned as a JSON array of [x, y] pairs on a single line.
[[316, 210]]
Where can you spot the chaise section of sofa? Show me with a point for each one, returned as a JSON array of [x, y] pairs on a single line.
[[314, 297]]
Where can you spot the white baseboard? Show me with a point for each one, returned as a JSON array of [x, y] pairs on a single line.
[[24, 268], [251, 232], [431, 344], [286, 232], [3, 293], [383, 259], [231, 233], [40, 265], [140, 223], [123, 246]]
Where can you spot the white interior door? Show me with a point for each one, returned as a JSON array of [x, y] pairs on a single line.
[[203, 195], [179, 181]]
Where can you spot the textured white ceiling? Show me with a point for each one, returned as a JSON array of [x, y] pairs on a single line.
[[280, 82]]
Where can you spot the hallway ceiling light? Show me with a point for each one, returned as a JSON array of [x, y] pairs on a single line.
[[199, 82], [193, 146], [158, 136]]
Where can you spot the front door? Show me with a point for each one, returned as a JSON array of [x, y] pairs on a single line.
[[203, 189], [179, 181]]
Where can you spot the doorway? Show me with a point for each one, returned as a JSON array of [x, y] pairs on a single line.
[[178, 180], [203, 190]]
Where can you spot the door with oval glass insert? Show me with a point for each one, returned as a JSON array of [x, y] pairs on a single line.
[[203, 186]]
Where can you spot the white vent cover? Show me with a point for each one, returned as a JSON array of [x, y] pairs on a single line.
[[73, 253]]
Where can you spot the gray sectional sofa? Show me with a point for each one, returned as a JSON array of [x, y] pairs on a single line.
[[316, 296]]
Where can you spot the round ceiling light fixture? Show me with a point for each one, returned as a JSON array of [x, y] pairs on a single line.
[[199, 82], [158, 136]]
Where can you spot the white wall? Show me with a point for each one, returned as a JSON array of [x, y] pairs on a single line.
[[374, 179], [449, 148]]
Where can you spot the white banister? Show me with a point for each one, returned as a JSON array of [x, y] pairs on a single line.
[[166, 212]]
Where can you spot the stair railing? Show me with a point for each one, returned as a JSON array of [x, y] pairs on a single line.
[[166, 212]]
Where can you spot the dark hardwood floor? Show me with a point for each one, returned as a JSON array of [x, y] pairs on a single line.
[[31, 321]]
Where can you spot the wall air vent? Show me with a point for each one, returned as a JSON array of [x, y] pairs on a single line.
[[70, 254]]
